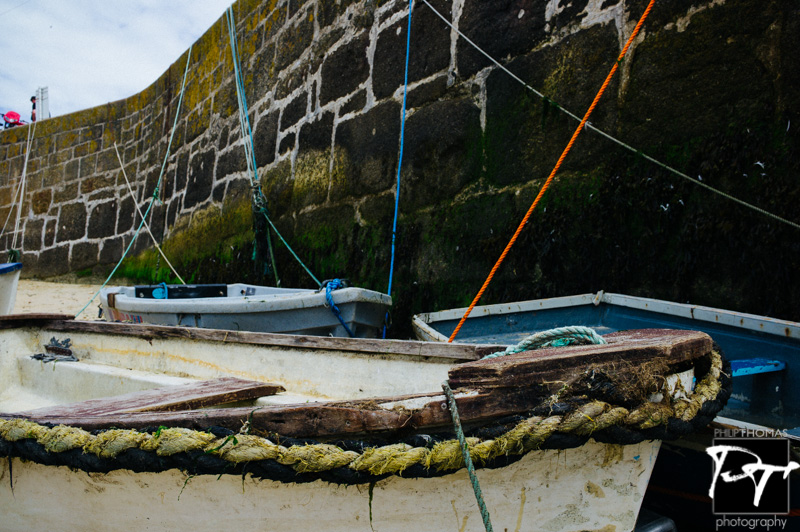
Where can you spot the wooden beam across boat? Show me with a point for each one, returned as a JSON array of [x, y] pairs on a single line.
[[187, 396]]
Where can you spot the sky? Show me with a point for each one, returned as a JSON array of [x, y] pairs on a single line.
[[91, 52]]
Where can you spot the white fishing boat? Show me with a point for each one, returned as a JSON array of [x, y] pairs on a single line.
[[344, 311], [9, 278], [242, 429]]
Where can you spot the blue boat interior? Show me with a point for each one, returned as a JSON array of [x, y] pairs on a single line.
[[762, 364]]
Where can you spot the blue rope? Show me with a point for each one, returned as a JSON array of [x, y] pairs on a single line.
[[553, 338], [476, 487], [330, 286], [400, 158]]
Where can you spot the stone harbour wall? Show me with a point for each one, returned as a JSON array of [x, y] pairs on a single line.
[[709, 87]]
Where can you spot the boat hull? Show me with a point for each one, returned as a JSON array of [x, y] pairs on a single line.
[[592, 487], [241, 307], [9, 278]]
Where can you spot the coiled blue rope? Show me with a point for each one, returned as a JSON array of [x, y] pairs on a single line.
[[330, 286]]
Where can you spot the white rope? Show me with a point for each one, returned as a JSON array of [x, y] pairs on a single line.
[[31, 131], [608, 136], [146, 226]]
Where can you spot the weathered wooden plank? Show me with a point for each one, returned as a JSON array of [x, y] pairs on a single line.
[[546, 365], [16, 321], [168, 398], [312, 420], [357, 345]]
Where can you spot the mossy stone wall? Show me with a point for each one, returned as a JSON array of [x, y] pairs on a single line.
[[709, 88]]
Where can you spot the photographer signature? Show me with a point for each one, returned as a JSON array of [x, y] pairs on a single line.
[[720, 452]]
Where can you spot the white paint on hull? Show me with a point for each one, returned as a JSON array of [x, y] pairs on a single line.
[[596, 486]]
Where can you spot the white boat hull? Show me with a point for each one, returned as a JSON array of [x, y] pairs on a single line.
[[593, 487], [9, 278]]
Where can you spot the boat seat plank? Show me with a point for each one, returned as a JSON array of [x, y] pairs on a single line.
[[168, 398], [755, 366]]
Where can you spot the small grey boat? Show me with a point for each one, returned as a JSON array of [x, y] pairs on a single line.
[[342, 312]]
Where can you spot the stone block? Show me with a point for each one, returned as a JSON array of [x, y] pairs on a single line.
[[41, 201], [355, 103], [264, 70], [87, 166], [103, 219], [265, 138], [83, 255], [442, 153], [366, 148], [126, 215], [311, 178], [287, 143], [317, 135], [33, 235], [53, 261], [277, 184], [201, 179], [294, 111], [72, 170], [329, 10], [181, 171], [294, 40], [345, 69], [290, 81], [71, 222], [429, 54], [110, 250], [50, 233], [427, 93], [521, 23], [231, 162], [96, 182]]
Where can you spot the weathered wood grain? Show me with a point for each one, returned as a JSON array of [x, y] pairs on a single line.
[[624, 349], [188, 396], [289, 341]]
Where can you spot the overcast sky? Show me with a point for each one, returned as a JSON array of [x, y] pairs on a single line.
[[90, 52]]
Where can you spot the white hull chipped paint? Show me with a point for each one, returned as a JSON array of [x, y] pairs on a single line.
[[305, 392], [594, 487]]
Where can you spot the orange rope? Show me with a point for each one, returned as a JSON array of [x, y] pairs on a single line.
[[553, 173]]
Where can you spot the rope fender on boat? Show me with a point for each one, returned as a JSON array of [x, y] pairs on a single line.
[[215, 452]]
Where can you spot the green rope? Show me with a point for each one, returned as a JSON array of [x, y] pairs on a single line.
[[451, 400], [155, 192], [300, 262], [553, 338], [259, 200]]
